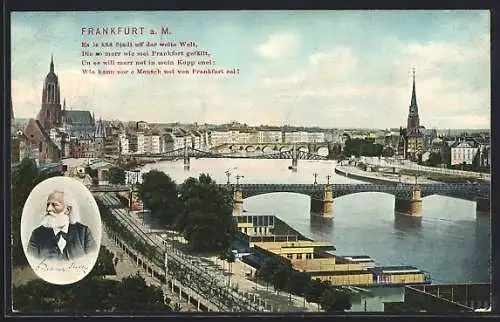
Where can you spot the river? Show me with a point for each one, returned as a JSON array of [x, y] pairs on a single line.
[[450, 241]]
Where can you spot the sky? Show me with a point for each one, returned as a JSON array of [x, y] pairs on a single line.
[[303, 68]]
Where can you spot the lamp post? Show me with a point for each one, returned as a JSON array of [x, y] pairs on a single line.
[[238, 177], [315, 176], [228, 174], [328, 179]]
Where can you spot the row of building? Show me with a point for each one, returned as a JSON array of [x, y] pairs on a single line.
[[65, 132], [84, 137]]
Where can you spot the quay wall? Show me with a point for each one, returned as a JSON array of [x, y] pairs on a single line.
[[345, 173]]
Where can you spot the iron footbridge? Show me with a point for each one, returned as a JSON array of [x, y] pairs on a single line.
[[190, 152]]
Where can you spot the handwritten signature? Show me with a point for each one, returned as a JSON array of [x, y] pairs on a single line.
[[46, 267]]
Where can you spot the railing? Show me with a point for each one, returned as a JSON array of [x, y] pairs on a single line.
[[252, 189], [458, 189], [191, 152]]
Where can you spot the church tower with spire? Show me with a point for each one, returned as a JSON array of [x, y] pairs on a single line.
[[99, 138], [413, 135], [413, 124], [50, 114]]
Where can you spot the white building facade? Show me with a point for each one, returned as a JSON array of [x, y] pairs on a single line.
[[463, 152], [140, 143], [123, 142]]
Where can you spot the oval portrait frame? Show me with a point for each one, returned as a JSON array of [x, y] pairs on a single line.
[[85, 222]]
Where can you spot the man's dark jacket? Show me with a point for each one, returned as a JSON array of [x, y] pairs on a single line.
[[79, 242]]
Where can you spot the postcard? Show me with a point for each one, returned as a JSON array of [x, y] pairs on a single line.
[[259, 162]]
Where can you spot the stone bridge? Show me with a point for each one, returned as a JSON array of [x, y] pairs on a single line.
[[408, 197], [399, 190]]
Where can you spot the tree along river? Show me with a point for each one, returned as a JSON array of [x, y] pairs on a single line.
[[450, 241]]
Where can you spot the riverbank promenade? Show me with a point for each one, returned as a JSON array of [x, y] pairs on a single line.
[[347, 170], [412, 166]]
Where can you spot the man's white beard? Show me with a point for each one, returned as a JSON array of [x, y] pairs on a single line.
[[54, 220]]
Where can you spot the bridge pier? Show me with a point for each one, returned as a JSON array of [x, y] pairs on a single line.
[[295, 158], [483, 205], [324, 207], [186, 155], [413, 206], [237, 201]]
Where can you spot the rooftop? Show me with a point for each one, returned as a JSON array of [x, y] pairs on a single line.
[[48, 166], [99, 164], [293, 244], [395, 269], [325, 265], [357, 256]]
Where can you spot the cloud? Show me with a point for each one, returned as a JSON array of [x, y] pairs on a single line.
[[333, 79], [338, 85], [437, 54], [25, 93], [321, 72], [278, 45]]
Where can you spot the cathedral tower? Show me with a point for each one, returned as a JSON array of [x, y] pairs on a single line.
[[50, 114]]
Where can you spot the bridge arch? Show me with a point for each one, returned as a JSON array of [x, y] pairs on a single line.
[[252, 195], [347, 194], [322, 150], [464, 196]]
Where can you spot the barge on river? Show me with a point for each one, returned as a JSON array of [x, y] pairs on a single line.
[[261, 236]]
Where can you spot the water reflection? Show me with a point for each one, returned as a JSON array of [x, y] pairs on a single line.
[[321, 224], [406, 223]]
